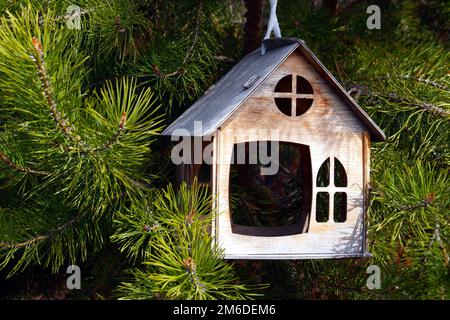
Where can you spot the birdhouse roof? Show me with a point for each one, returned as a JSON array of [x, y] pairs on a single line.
[[224, 97]]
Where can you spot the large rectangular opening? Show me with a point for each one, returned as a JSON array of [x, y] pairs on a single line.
[[270, 205]]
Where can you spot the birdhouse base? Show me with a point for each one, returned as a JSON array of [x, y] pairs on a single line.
[[366, 255]]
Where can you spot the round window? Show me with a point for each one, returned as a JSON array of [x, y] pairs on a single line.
[[293, 95]]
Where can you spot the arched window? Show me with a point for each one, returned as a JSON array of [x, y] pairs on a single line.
[[330, 178], [293, 95]]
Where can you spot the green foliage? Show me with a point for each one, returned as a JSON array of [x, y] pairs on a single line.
[[185, 72], [71, 155], [409, 203], [181, 61], [408, 93], [117, 28], [181, 259], [79, 162], [27, 231], [312, 24]]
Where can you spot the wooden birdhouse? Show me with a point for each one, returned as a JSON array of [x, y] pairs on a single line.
[[300, 189]]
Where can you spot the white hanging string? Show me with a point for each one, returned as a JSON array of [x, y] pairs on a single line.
[[273, 21], [272, 25]]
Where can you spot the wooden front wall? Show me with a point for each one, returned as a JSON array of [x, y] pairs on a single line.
[[330, 130]]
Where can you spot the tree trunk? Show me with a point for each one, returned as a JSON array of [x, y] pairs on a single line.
[[253, 25], [331, 6]]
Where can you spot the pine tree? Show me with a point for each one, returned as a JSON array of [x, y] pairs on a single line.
[[85, 178], [181, 260], [69, 156]]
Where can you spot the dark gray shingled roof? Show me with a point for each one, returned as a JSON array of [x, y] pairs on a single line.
[[223, 98]]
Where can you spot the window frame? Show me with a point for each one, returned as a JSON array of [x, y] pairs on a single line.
[[331, 189], [293, 95]]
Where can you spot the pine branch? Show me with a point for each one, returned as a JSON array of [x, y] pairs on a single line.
[[51, 234], [196, 31], [191, 270], [423, 204], [12, 165], [426, 81], [437, 237], [62, 123], [430, 108], [115, 138], [66, 128], [434, 110], [182, 69]]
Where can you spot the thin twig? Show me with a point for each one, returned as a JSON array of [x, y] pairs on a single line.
[[427, 81], [181, 70], [428, 200], [177, 72], [63, 124], [139, 184], [196, 31], [12, 165], [434, 110], [413, 207], [191, 270], [73, 15], [441, 244], [115, 136], [436, 237], [51, 234]]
